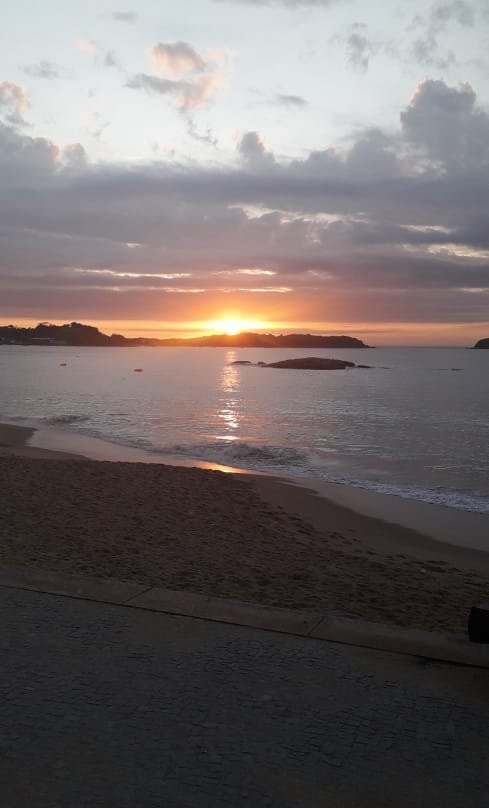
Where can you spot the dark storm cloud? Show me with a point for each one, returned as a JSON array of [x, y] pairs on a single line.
[[404, 213]]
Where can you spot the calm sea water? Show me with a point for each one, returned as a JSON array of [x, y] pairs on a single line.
[[416, 424]]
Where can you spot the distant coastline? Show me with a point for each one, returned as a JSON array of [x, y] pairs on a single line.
[[80, 335]]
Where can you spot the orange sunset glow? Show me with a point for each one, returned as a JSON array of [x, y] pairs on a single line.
[[235, 325], [376, 332]]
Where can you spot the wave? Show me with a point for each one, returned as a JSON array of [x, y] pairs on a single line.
[[234, 452], [295, 463], [51, 420], [445, 497], [66, 419]]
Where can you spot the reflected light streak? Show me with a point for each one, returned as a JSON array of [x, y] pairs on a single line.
[[228, 412]]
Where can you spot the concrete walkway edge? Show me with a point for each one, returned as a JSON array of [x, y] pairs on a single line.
[[302, 623]]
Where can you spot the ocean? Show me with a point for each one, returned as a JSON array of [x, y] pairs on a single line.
[[415, 424]]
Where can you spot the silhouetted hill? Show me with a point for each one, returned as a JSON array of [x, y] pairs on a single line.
[[252, 340], [78, 334], [483, 343]]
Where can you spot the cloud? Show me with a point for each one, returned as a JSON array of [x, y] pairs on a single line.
[[255, 271], [425, 48], [188, 95], [391, 225], [446, 123], [290, 100], [85, 45], [42, 70], [177, 58], [374, 154], [99, 125], [72, 158], [124, 16], [358, 47], [191, 80], [24, 161], [110, 60], [203, 137], [424, 52], [136, 275], [458, 10], [252, 149], [13, 102]]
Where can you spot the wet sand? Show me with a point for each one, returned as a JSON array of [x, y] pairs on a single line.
[[246, 537]]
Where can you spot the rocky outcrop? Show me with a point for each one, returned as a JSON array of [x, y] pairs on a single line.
[[483, 343], [312, 363]]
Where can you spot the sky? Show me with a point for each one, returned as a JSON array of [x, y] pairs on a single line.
[[318, 165]]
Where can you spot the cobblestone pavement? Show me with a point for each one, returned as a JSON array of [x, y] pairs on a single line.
[[110, 706]]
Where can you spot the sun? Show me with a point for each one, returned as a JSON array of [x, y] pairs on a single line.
[[234, 325]]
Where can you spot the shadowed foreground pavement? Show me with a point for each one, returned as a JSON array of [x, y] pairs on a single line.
[[103, 705]]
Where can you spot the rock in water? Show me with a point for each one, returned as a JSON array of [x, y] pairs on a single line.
[[312, 363], [483, 343]]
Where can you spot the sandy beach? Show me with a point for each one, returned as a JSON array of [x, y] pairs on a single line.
[[253, 538]]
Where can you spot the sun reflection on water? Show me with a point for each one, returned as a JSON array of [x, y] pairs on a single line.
[[228, 412]]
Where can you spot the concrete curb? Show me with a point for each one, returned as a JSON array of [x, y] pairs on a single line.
[[301, 623]]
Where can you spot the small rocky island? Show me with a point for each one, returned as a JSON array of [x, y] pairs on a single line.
[[306, 363], [312, 363], [483, 343]]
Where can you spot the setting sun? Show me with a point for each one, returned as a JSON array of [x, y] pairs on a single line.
[[234, 326]]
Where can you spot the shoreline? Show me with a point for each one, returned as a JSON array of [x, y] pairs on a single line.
[[437, 524], [255, 538]]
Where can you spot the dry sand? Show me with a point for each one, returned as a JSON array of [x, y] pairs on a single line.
[[250, 538]]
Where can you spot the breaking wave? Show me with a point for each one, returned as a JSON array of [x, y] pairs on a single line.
[[241, 453], [433, 496], [59, 420]]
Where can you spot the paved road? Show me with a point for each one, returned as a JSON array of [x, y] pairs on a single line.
[[116, 707]]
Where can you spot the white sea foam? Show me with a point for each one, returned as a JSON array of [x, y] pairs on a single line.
[[239, 453], [65, 420]]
